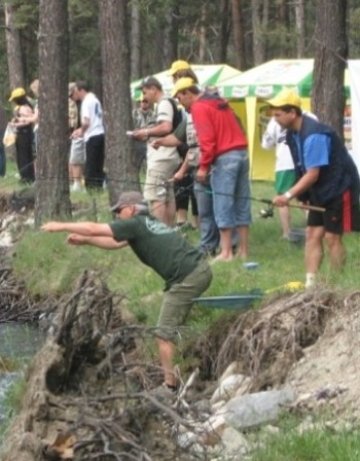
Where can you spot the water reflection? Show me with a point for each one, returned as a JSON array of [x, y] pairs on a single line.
[[18, 343]]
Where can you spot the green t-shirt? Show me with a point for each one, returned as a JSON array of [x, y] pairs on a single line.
[[158, 246]]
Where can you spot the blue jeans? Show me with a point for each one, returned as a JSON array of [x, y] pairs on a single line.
[[231, 187], [209, 233]]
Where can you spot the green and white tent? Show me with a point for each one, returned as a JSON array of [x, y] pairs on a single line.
[[266, 80], [208, 75]]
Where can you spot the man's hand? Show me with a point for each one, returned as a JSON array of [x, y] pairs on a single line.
[[141, 135], [280, 200], [179, 175], [52, 226], [76, 134], [156, 143], [76, 239], [201, 175]]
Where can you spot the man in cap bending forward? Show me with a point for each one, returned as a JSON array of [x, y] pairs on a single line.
[[183, 268], [328, 177]]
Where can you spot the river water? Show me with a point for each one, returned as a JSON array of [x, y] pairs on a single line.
[[18, 343]]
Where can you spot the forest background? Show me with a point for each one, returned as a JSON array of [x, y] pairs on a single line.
[[241, 33], [111, 42]]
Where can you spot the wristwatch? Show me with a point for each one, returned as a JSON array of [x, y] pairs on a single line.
[[288, 195]]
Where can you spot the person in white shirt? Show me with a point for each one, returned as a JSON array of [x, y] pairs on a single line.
[[92, 130], [285, 177]]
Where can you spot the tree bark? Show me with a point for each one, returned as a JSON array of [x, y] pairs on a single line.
[[238, 29], [135, 40], [171, 34], [13, 48], [119, 156], [202, 33], [330, 61], [52, 183], [225, 27], [300, 27], [258, 44]]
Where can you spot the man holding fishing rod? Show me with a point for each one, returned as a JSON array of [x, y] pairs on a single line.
[[326, 177], [183, 268]]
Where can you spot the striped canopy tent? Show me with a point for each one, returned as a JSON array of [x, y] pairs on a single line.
[[248, 93], [208, 75]]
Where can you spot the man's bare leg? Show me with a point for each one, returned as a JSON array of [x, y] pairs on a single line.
[[337, 252], [164, 211], [243, 249], [166, 354], [226, 253], [285, 220], [313, 252]]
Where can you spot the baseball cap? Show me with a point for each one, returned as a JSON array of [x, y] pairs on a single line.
[[183, 84], [178, 65], [17, 93], [286, 97], [150, 81], [127, 199]]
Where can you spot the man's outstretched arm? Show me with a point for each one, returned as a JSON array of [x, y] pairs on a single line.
[[90, 229], [106, 243]]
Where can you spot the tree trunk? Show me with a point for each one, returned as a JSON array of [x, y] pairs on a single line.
[[52, 181], [171, 35], [13, 48], [258, 44], [300, 27], [202, 33], [238, 29], [225, 26], [119, 156], [330, 60], [135, 40]]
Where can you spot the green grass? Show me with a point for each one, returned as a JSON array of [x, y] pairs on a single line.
[[12, 403], [50, 266], [320, 444]]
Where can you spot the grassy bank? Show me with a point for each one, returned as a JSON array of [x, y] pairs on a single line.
[[49, 266]]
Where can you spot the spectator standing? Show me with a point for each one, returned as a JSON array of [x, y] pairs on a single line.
[[143, 117], [34, 87], [326, 177], [92, 130], [23, 113], [184, 183], [162, 162], [186, 274], [77, 156], [223, 155]]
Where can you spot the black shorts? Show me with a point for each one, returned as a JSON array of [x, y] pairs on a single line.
[[342, 214]]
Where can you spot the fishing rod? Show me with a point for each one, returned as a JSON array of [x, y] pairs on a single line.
[[301, 206]]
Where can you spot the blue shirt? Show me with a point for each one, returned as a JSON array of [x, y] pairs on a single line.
[[316, 150]]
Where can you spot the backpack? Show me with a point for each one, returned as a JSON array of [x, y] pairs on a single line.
[[178, 117]]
